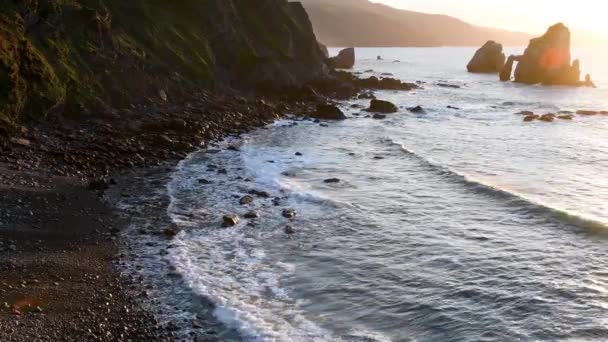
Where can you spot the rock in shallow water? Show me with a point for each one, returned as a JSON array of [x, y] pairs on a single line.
[[550, 117], [381, 106], [530, 118], [289, 230], [289, 213], [230, 220], [247, 199], [332, 180], [417, 110], [252, 215], [329, 112]]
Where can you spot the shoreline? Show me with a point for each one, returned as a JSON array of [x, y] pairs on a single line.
[[58, 266], [61, 239]]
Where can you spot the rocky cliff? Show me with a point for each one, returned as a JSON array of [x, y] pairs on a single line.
[[86, 57]]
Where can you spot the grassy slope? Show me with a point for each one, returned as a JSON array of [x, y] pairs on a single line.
[[83, 56]]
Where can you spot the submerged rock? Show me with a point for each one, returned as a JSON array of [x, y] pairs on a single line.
[[344, 60], [566, 117], [263, 194], [531, 118], [378, 116], [380, 106], [488, 59], [417, 109], [289, 230], [587, 112], [247, 199], [332, 180], [550, 117], [366, 96], [329, 112], [252, 215], [447, 85], [171, 231]]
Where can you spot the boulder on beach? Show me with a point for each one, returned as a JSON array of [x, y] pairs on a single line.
[[381, 106], [328, 112], [547, 60], [488, 59], [344, 60]]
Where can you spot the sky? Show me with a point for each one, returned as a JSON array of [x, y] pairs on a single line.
[[533, 16]]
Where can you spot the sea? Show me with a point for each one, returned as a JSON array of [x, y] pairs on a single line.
[[461, 223]]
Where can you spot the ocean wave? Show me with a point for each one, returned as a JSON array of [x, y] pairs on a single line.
[[515, 199], [228, 267]]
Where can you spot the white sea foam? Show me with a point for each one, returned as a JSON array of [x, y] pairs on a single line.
[[230, 267]]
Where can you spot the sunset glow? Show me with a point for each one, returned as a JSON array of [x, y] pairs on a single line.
[[585, 17]]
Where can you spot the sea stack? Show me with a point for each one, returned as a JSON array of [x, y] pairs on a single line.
[[547, 60], [488, 59], [344, 60]]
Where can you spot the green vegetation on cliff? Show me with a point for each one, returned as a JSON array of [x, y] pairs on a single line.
[[82, 57]]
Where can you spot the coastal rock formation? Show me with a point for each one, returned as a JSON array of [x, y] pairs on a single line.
[[328, 112], [324, 50], [380, 106], [507, 70], [344, 60], [488, 59], [547, 60], [83, 57]]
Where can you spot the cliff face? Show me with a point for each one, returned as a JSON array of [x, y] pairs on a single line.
[[87, 56]]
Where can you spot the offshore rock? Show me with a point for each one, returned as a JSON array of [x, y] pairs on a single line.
[[344, 60], [488, 59], [380, 106], [547, 60]]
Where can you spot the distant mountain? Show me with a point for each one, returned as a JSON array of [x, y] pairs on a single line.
[[362, 23]]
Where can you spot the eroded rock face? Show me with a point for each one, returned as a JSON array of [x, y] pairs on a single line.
[[344, 60], [488, 59], [547, 60]]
